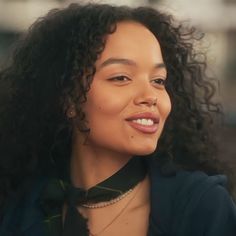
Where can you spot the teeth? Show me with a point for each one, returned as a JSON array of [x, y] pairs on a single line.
[[147, 122]]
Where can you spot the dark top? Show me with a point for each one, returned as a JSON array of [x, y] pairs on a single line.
[[188, 203]]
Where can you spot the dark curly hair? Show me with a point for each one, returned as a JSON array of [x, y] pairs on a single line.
[[53, 65]]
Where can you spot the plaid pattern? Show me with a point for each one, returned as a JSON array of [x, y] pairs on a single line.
[[52, 199]]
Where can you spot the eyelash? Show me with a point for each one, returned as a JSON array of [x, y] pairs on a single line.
[[123, 78], [117, 78], [160, 81]]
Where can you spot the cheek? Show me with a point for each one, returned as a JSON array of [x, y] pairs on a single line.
[[104, 116], [106, 110], [165, 106], [111, 106], [104, 104]]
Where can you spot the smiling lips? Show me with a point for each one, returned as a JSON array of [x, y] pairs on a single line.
[[145, 122]]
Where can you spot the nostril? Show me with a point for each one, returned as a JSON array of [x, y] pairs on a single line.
[[150, 101]]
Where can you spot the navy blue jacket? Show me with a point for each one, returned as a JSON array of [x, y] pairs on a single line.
[[187, 204]]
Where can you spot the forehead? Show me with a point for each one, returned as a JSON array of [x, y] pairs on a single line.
[[132, 40]]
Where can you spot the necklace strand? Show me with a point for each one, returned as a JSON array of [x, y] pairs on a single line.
[[104, 204], [117, 216]]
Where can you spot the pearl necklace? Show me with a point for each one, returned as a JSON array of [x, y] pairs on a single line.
[[104, 204]]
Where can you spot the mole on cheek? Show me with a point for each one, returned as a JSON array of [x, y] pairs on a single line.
[[131, 136]]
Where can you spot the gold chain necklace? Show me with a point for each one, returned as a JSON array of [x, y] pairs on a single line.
[[117, 216]]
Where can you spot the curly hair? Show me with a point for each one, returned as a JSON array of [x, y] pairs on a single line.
[[53, 65]]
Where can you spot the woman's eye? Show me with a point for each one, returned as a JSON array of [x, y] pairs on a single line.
[[160, 81], [120, 78]]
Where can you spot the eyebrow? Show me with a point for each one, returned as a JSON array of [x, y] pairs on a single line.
[[128, 62]]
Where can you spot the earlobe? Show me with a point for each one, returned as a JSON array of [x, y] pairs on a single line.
[[70, 108], [71, 112]]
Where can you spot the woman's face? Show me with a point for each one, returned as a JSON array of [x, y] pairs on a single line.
[[128, 104]]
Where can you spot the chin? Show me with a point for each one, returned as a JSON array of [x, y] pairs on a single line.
[[143, 151]]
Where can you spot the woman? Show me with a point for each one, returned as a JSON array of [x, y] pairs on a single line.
[[84, 148]]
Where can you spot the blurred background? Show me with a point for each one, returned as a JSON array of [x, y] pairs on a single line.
[[216, 18]]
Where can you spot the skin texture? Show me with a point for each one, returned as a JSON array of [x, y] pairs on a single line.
[[119, 90]]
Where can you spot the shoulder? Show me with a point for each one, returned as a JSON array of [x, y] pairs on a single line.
[[215, 213], [193, 203], [22, 209]]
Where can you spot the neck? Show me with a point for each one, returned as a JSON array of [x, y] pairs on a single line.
[[90, 165]]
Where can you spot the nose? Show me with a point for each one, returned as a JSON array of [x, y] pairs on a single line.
[[148, 101], [146, 96]]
